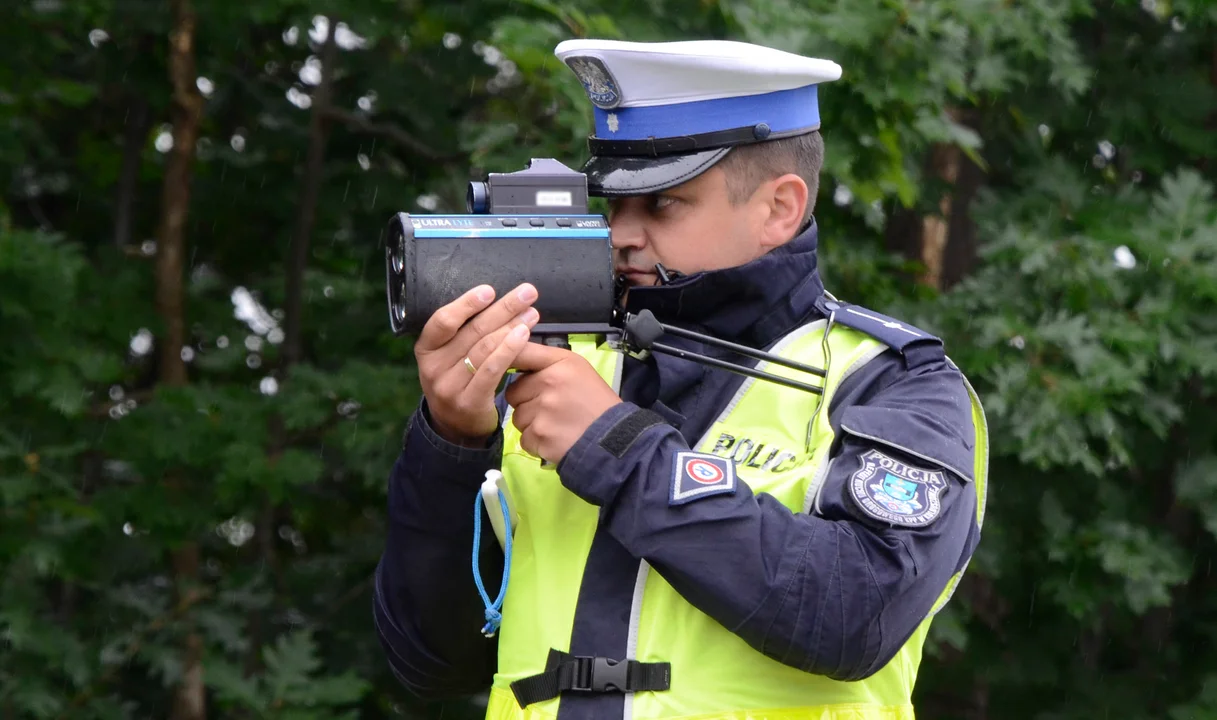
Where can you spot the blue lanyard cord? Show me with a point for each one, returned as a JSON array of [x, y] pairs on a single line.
[[493, 616]]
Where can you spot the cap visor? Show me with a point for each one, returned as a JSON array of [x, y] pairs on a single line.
[[613, 176]]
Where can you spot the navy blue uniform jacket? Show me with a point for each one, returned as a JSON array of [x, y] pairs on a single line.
[[834, 592]]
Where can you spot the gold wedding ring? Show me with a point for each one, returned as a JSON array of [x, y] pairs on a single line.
[[469, 364]]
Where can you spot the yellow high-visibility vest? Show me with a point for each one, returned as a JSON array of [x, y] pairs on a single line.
[[714, 673]]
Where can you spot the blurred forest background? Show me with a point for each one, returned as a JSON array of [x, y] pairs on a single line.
[[200, 400]]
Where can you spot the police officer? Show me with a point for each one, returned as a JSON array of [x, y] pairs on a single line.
[[698, 544]]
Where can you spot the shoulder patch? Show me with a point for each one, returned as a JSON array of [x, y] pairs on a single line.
[[916, 345], [698, 475], [894, 492]]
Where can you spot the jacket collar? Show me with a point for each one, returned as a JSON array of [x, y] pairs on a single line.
[[753, 304]]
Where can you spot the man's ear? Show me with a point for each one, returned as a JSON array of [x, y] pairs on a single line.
[[787, 200]]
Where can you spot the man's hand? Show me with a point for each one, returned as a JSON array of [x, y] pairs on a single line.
[[556, 401], [461, 401]]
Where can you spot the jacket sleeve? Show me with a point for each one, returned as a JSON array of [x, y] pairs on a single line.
[[834, 592], [426, 606]]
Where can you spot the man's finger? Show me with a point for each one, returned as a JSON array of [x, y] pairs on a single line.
[[492, 368], [444, 324], [507, 311], [489, 343], [522, 389], [523, 415], [538, 357]]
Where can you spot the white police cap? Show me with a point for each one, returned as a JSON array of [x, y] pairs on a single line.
[[666, 112]]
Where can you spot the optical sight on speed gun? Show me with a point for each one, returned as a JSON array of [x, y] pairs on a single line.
[[533, 226]]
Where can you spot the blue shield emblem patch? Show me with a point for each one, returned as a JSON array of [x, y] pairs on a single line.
[[897, 493], [697, 475], [597, 81]]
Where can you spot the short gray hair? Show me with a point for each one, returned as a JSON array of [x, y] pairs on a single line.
[[747, 166]]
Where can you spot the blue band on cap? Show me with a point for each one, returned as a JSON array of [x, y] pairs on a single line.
[[782, 111]]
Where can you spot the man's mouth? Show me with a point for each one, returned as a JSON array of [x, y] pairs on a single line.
[[636, 276]]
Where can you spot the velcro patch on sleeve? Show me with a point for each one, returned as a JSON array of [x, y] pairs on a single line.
[[894, 492], [698, 475]]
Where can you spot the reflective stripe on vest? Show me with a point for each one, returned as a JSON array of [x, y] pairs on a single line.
[[778, 438]]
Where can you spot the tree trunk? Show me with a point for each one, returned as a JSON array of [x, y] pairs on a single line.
[[944, 164], [942, 242], [189, 700], [314, 171]]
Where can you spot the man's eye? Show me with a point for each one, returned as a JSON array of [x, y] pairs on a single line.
[[662, 201]]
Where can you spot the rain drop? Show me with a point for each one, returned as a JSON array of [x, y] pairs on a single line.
[[128, 529], [164, 141], [299, 99], [310, 74], [329, 291], [321, 28], [492, 55], [364, 162], [253, 362], [205, 86], [348, 39], [1017, 342], [291, 35], [238, 143], [116, 393], [1124, 258], [275, 336], [451, 40], [141, 344], [187, 353], [148, 247], [222, 342], [268, 386], [97, 36], [253, 343], [842, 196]]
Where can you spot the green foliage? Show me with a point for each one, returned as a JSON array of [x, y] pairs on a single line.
[[290, 689], [1087, 324]]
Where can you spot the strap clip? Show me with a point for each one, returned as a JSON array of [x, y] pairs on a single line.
[[600, 674], [587, 674]]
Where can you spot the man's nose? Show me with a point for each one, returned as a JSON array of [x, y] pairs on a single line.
[[627, 230]]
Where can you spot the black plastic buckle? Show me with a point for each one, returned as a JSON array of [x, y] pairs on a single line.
[[600, 674]]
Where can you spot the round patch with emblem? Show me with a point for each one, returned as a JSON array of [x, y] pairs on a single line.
[[703, 471], [599, 83], [895, 492]]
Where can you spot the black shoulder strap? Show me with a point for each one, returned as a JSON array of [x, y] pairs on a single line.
[[916, 345]]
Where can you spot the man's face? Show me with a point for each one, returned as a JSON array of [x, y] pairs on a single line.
[[692, 227]]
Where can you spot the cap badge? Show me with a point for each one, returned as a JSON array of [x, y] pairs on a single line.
[[597, 81]]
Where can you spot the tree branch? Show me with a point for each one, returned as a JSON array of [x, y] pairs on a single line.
[[392, 132]]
